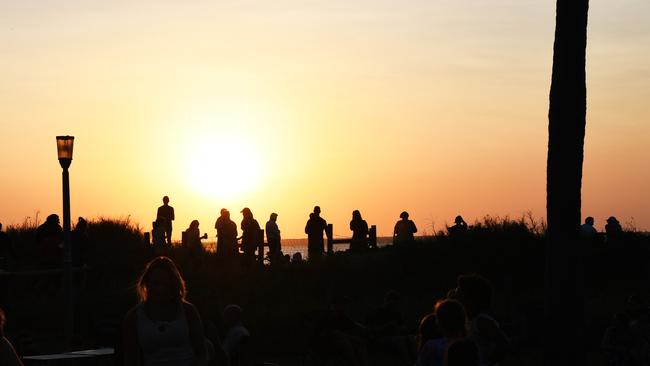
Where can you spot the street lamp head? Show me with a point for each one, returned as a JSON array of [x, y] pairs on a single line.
[[64, 146]]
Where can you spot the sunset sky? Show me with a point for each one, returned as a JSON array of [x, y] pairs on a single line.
[[438, 108]]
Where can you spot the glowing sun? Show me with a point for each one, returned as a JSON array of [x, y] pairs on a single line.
[[226, 169]]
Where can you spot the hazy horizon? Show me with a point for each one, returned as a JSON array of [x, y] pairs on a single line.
[[438, 108]]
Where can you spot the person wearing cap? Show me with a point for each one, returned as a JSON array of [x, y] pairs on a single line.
[[314, 229], [273, 237], [404, 230], [250, 234], [226, 235]]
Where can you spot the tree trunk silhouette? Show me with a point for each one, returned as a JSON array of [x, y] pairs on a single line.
[[567, 110]]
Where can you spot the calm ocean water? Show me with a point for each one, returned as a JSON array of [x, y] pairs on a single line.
[[292, 246]]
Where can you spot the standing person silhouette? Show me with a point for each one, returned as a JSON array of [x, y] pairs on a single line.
[[49, 238], [226, 235], [314, 229], [273, 238], [158, 236], [79, 239], [250, 234], [167, 212], [193, 239], [163, 329], [404, 230], [359, 229]]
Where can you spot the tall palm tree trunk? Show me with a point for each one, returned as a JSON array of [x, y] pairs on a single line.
[[567, 111]]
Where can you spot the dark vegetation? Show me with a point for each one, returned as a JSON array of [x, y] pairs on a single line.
[[277, 300]]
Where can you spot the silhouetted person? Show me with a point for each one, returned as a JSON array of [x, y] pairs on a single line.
[[475, 293], [226, 235], [296, 258], [159, 245], [79, 238], [6, 249], [193, 238], [359, 227], [163, 328], [427, 330], [451, 318], [463, 352], [404, 230], [49, 237], [166, 211], [273, 238], [459, 227], [250, 234], [314, 229], [8, 356], [587, 230], [237, 336], [613, 230]]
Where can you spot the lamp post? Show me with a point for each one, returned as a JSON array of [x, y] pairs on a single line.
[[64, 146]]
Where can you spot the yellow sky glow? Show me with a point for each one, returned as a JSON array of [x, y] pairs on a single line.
[[438, 108]]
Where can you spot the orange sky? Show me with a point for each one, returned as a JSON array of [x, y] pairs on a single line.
[[438, 108]]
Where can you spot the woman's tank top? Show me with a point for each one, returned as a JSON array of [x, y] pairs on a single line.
[[164, 343]]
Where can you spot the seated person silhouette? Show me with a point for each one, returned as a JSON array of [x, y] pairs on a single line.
[[163, 328], [459, 227], [451, 319], [236, 341], [613, 230]]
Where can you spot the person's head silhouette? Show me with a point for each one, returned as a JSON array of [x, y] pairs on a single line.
[[194, 224], [161, 282], [165, 200], [589, 221], [451, 318], [356, 215], [52, 219], [82, 224], [247, 213], [459, 220], [317, 210], [273, 216], [404, 215]]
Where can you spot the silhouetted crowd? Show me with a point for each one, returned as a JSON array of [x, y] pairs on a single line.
[[230, 244]]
